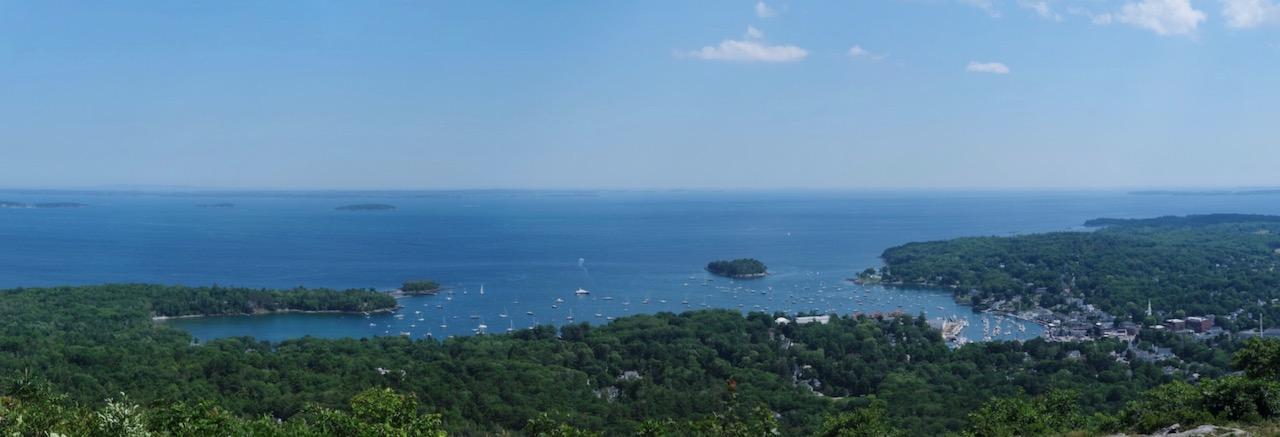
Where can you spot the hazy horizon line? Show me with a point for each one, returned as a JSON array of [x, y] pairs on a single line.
[[207, 189]]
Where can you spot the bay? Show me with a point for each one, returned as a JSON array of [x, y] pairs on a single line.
[[530, 248]]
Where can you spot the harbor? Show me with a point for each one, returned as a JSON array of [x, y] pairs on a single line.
[[495, 307]]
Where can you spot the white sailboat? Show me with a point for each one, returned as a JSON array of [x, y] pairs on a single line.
[[504, 313], [482, 289], [570, 316]]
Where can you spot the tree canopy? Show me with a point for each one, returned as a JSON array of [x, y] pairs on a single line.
[[738, 268]]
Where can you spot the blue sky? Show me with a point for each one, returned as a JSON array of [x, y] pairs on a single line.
[[655, 94]]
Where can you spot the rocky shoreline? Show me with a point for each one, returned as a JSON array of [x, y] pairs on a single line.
[[398, 293]]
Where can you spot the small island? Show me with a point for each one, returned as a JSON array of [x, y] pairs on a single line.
[[59, 205], [741, 268], [419, 288], [5, 204], [367, 207]]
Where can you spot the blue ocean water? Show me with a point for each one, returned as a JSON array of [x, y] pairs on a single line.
[[530, 248]]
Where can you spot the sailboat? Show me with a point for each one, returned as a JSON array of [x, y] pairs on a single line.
[[511, 325], [570, 316], [443, 323], [504, 313], [482, 289]]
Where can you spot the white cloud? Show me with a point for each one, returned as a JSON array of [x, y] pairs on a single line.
[[1243, 14], [987, 67], [988, 6], [1041, 8], [764, 11], [858, 52], [1101, 19], [752, 48], [1164, 17]]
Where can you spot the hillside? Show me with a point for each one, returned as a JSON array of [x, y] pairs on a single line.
[[94, 343], [1220, 265]]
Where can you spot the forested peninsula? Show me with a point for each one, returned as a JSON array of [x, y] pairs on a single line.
[[1219, 265], [171, 302]]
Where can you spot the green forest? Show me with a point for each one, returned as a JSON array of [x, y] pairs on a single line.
[[420, 287], [1195, 265], [71, 356], [209, 301]]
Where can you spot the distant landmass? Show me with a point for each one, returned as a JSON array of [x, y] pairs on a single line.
[[217, 205], [4, 204], [1252, 192], [1190, 220], [738, 268], [367, 207]]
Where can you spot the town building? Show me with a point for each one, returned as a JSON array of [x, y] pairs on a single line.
[[1199, 324], [811, 319]]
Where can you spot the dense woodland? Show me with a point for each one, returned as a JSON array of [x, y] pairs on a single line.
[[186, 301], [738, 268], [1195, 265], [703, 372]]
